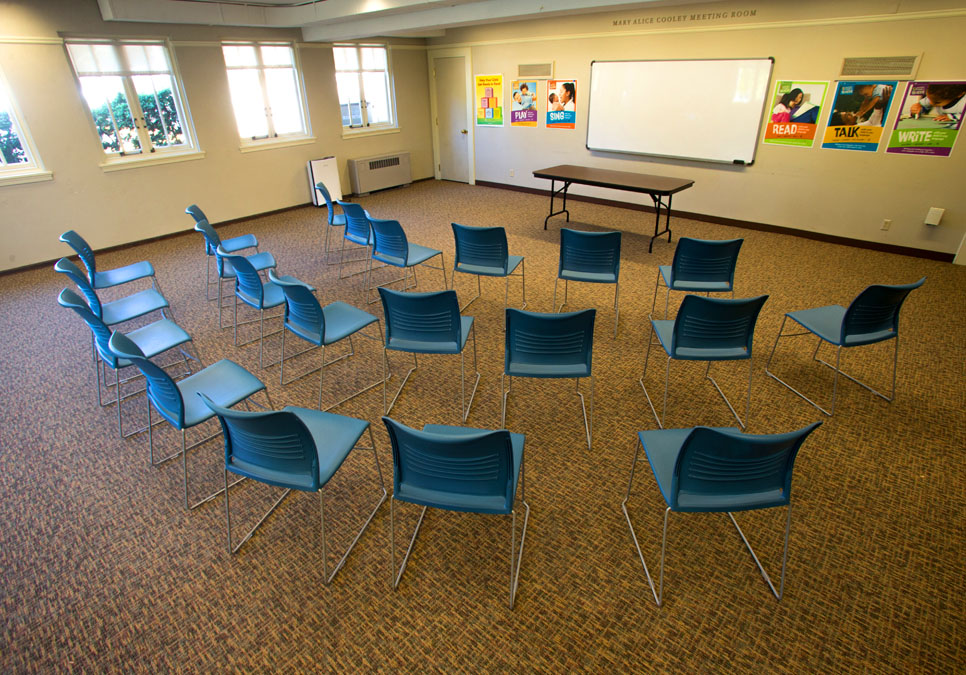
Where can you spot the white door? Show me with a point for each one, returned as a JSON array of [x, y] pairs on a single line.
[[449, 74]]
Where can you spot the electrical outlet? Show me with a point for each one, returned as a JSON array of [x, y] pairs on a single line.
[[511, 173], [886, 224]]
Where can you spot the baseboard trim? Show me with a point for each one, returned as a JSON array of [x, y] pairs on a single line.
[[746, 224]]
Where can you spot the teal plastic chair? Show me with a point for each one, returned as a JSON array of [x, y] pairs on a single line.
[[153, 339], [130, 307], [718, 470], [872, 317], [706, 329], [590, 257], [232, 245], [108, 278], [393, 249], [550, 346], [323, 326], [223, 268], [458, 469], [224, 382], [293, 448], [357, 232], [483, 252], [699, 266], [428, 323], [333, 219]]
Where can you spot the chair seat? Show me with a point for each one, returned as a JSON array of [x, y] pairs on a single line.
[[456, 501], [826, 322], [664, 328], [133, 306], [272, 294], [431, 347], [591, 277], [225, 382], [362, 241], [156, 338], [122, 275], [341, 321], [260, 261], [238, 243], [513, 262], [417, 254], [692, 285], [662, 447], [551, 370]]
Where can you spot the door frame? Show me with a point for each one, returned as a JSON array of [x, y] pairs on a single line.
[[466, 53]]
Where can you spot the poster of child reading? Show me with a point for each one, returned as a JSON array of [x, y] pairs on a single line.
[[795, 110], [561, 104]]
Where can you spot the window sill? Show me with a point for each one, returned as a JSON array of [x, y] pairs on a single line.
[[153, 159], [24, 177], [355, 133], [275, 143]]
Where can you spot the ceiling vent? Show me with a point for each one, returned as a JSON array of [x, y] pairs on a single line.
[[535, 71], [880, 67]]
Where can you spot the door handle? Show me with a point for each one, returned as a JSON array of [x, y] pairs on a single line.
[[463, 131]]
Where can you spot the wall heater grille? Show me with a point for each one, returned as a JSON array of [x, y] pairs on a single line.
[[367, 174]]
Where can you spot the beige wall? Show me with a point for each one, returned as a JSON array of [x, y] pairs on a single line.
[[835, 192], [130, 205]]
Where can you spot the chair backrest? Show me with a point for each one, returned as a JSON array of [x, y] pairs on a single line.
[[593, 252], [389, 241], [320, 186], [484, 246], [715, 323], [247, 281], [430, 318], [83, 249], [195, 212], [477, 464], [874, 314], [65, 266], [736, 471], [356, 221], [302, 309], [212, 240], [705, 260], [102, 334], [269, 446], [161, 389], [549, 340]]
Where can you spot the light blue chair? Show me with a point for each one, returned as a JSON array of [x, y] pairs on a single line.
[[323, 326], [706, 329], [153, 340], [699, 266], [483, 252], [333, 220], [118, 311], [428, 323], [293, 448], [358, 232], [392, 248], [458, 469], [213, 241], [591, 257], [872, 317], [718, 470], [259, 261], [224, 382], [108, 278], [550, 346]]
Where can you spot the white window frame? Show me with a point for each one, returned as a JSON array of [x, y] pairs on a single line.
[[367, 129], [149, 154], [31, 171], [274, 140]]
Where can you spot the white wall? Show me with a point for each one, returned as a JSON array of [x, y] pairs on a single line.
[[127, 206], [835, 192]]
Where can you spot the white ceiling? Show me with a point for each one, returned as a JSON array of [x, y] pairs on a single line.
[[329, 20]]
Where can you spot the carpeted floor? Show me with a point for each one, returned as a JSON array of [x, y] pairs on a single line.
[[104, 570]]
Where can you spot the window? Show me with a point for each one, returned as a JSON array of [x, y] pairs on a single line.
[[265, 92], [134, 96], [18, 158], [365, 86]]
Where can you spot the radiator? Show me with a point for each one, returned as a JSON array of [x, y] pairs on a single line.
[[367, 174]]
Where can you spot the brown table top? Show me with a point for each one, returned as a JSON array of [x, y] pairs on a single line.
[[619, 180]]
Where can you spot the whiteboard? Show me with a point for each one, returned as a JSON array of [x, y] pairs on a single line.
[[325, 170], [708, 110]]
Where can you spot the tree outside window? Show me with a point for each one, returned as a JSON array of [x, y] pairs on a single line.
[[18, 157], [133, 95], [364, 85]]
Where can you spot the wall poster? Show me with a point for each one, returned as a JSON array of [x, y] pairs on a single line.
[[858, 115], [489, 97], [795, 111], [929, 119], [523, 103], [561, 104]]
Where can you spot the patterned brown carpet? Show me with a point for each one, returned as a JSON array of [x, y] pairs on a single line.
[[104, 570]]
